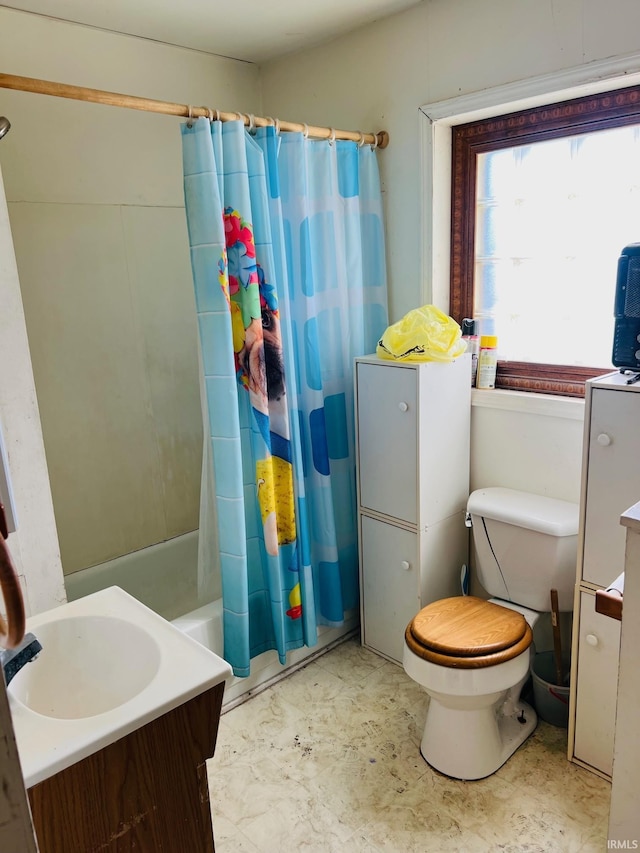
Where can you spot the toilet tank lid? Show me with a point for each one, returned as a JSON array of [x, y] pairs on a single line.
[[534, 512]]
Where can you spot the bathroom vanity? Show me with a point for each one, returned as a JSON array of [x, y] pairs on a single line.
[[146, 792], [412, 436], [114, 722], [610, 483]]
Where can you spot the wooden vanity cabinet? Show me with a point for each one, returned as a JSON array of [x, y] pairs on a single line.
[[147, 792]]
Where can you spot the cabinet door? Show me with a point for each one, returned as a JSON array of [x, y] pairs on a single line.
[[613, 481], [597, 686], [390, 580], [388, 440]]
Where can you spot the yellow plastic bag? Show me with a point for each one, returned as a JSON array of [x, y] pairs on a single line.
[[424, 334]]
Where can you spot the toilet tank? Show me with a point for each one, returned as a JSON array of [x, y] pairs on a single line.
[[526, 545]]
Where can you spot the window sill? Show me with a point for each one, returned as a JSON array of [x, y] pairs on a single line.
[[549, 405]]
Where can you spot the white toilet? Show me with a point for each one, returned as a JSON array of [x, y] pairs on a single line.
[[472, 656]]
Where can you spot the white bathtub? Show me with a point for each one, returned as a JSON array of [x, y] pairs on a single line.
[[164, 577]]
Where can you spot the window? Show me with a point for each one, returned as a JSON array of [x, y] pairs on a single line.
[[543, 201]]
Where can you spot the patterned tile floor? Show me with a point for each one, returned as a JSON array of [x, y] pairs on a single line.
[[328, 761]]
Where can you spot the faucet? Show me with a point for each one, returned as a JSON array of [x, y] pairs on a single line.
[[12, 660]]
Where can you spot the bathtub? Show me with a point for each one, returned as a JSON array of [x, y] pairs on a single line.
[[165, 578]]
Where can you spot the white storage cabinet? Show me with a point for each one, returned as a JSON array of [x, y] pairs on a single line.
[[624, 816], [610, 484], [412, 433]]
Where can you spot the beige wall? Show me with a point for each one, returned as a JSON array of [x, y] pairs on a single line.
[[33, 545], [378, 78], [96, 208]]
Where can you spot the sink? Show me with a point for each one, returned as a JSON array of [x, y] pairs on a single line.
[[108, 666], [88, 665]]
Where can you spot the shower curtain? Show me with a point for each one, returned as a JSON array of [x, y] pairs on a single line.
[[287, 252]]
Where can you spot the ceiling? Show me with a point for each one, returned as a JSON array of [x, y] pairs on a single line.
[[251, 30]]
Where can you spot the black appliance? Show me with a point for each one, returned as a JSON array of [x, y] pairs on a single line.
[[626, 335]]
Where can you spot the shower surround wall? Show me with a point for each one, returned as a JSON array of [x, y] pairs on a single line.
[[96, 209]]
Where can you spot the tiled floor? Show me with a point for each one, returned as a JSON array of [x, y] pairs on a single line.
[[328, 761]]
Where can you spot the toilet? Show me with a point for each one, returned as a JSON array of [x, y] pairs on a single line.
[[473, 656]]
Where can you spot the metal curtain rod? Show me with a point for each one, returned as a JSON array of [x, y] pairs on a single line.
[[113, 99]]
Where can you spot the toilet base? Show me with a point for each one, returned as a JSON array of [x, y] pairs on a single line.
[[473, 744]]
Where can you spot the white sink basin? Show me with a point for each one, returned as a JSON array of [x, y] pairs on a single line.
[[108, 665], [80, 670]]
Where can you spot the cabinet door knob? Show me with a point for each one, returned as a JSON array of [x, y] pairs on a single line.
[[403, 406], [592, 640], [406, 565], [603, 439]]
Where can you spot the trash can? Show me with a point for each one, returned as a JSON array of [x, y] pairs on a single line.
[[550, 699]]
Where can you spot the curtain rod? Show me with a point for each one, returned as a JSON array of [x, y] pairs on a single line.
[[113, 99]]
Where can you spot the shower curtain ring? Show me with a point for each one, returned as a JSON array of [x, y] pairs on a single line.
[[252, 123], [361, 140], [374, 145], [332, 135], [277, 126], [305, 132], [190, 119], [210, 114]]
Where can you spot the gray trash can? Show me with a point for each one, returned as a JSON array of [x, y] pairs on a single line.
[[551, 700]]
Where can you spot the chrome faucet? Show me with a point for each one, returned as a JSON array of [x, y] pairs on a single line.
[[12, 660]]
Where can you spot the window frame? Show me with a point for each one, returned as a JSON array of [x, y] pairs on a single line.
[[600, 111]]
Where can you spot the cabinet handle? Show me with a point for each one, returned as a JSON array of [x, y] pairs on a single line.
[[592, 640], [603, 439], [403, 406], [406, 565]]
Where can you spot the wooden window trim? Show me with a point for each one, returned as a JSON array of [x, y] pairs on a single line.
[[617, 108]]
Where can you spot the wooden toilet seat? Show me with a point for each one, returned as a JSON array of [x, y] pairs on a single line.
[[467, 633]]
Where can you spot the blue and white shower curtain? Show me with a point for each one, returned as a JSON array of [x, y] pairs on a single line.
[[287, 252]]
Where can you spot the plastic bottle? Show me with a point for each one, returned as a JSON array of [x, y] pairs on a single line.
[[487, 362], [473, 345]]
